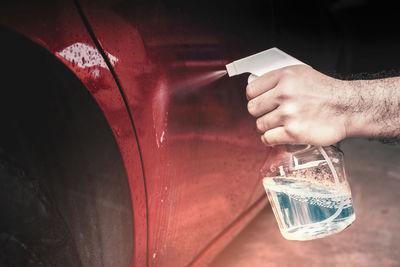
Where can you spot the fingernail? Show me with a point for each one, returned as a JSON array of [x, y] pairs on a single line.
[[264, 140]]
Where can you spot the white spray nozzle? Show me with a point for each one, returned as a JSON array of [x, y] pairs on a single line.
[[262, 62]]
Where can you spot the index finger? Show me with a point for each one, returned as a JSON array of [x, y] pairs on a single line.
[[262, 84]]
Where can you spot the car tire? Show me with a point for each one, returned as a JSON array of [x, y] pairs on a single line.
[[32, 231]]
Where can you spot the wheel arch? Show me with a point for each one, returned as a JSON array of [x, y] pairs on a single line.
[[53, 127]]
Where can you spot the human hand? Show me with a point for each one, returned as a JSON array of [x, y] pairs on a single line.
[[299, 105]]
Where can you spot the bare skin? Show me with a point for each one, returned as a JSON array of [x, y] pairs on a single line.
[[299, 105]]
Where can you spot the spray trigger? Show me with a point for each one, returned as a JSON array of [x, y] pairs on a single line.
[[261, 63]]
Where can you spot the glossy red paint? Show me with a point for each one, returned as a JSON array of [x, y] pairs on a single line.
[[58, 27], [200, 152]]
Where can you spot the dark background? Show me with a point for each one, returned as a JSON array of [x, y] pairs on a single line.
[[344, 37], [349, 39]]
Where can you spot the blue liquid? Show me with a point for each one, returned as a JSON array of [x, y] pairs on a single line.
[[307, 211]]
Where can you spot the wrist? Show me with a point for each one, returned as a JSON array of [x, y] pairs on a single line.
[[357, 105], [360, 125], [373, 108]]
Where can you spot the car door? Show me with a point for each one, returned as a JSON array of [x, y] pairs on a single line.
[[200, 151]]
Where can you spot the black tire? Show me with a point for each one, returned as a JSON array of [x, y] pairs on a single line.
[[32, 231]]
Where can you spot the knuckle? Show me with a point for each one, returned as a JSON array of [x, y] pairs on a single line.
[[283, 117], [292, 129], [289, 111], [251, 107], [264, 139], [287, 72], [250, 90], [285, 91], [268, 139], [260, 125]]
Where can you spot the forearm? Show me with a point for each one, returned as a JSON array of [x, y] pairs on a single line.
[[299, 105], [373, 107]]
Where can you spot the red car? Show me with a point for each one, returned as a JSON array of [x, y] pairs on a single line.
[[122, 142]]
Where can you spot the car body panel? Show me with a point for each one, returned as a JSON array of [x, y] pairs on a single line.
[[201, 153], [58, 27], [192, 134]]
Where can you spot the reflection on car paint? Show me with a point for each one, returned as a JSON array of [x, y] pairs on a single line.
[[86, 56], [160, 105]]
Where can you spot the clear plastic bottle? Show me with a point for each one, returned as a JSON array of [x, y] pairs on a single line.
[[308, 191], [306, 185]]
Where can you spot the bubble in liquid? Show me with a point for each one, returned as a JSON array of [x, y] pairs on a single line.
[[302, 208]]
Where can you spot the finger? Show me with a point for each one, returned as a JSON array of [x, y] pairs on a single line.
[[262, 84], [262, 104], [277, 136], [269, 121]]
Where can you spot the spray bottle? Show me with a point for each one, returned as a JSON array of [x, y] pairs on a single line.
[[306, 185]]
